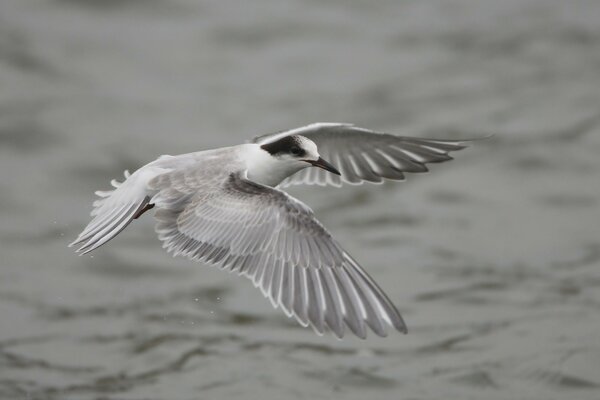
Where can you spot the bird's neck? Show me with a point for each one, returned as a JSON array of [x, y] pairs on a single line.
[[265, 169]]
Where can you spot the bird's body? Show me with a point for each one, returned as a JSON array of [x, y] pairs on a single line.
[[223, 207]]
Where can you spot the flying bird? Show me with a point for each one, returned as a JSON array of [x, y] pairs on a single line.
[[226, 207]]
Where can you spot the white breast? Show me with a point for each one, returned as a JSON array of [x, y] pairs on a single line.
[[266, 169]]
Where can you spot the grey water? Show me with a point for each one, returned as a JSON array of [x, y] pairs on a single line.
[[493, 258]]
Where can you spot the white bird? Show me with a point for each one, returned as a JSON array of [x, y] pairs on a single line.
[[224, 207]]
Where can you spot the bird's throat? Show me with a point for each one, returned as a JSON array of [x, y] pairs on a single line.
[[265, 169]]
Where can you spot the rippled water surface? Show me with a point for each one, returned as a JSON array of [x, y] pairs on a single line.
[[494, 258]]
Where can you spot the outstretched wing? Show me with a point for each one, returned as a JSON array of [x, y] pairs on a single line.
[[364, 155], [275, 240]]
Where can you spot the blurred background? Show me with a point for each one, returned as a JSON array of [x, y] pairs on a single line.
[[493, 258]]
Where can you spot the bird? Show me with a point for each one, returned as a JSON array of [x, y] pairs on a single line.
[[226, 207]]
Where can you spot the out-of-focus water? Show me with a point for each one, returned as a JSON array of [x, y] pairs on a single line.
[[494, 258]]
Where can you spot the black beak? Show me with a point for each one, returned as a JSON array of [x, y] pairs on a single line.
[[324, 164]]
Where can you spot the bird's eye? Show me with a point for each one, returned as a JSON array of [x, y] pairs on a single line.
[[296, 151]]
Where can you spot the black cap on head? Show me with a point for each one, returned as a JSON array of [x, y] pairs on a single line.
[[285, 145]]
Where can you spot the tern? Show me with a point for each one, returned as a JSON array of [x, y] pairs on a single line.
[[225, 207]]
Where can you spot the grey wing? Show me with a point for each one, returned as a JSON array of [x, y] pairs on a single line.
[[362, 155], [274, 240]]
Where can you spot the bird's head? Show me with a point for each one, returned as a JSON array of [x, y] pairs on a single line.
[[298, 151]]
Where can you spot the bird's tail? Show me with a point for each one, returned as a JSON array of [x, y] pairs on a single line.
[[114, 210]]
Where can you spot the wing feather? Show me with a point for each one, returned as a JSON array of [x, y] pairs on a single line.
[[362, 155], [274, 240]]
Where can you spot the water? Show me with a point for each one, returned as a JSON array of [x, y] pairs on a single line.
[[493, 258]]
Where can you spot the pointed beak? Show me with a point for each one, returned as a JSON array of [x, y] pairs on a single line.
[[325, 165]]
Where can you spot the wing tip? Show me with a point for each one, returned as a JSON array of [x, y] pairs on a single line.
[[402, 328]]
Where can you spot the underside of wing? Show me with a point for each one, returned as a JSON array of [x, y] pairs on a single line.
[[274, 240], [362, 155]]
